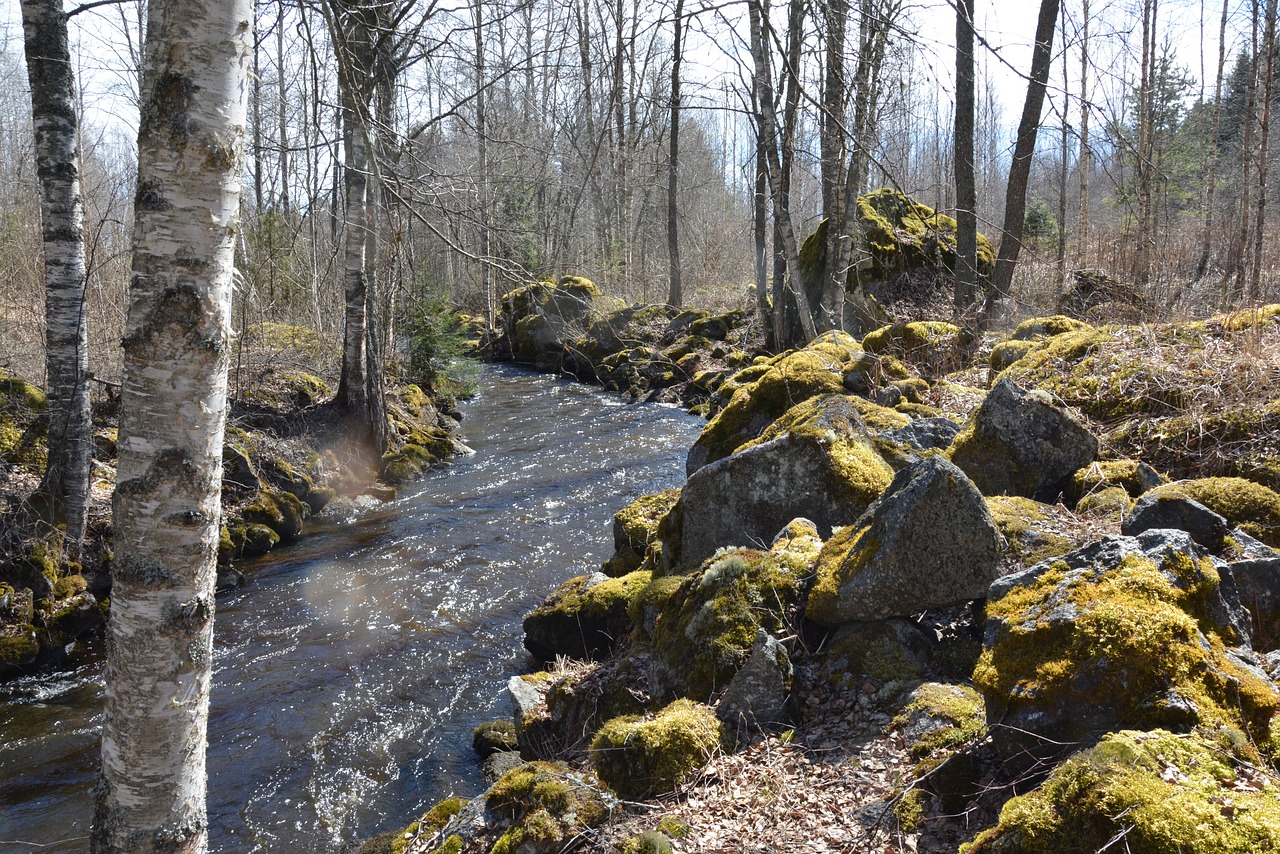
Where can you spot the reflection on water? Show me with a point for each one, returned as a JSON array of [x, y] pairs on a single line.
[[351, 670]]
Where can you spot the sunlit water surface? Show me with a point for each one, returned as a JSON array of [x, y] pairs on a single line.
[[351, 669]]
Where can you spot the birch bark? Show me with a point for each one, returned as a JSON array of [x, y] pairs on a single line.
[[151, 796], [53, 113]]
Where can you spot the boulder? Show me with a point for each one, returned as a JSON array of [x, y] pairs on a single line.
[[644, 756], [1165, 510], [539, 807], [1151, 792], [635, 527], [925, 434], [1140, 621], [494, 737], [1022, 443], [586, 617], [814, 462], [1257, 582], [759, 695], [889, 652], [928, 542]]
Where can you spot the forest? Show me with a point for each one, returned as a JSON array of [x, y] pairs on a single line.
[[958, 532]]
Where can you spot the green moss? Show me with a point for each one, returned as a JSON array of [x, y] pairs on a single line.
[[1006, 353], [707, 628], [843, 557], [545, 802], [16, 392], [259, 539], [909, 810], [933, 346], [1022, 525], [648, 603], [494, 736], [68, 585], [649, 842], [1153, 792], [955, 714], [674, 827], [880, 417], [881, 650], [639, 757], [903, 234], [1036, 328], [635, 527], [583, 621], [1102, 474], [1252, 507], [19, 648], [795, 378], [1138, 638]]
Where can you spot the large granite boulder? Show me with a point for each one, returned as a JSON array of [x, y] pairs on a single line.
[[928, 542], [1125, 632], [816, 462], [1022, 443]]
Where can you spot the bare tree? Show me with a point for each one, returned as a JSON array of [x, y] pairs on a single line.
[[675, 295], [966, 293], [173, 410], [53, 111], [1015, 203]]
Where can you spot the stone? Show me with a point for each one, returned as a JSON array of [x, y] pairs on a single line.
[[496, 765], [239, 480], [815, 462], [1257, 583], [759, 695], [1168, 510], [1022, 442], [1125, 632], [928, 542], [586, 617], [886, 651], [526, 697], [494, 737], [926, 434]]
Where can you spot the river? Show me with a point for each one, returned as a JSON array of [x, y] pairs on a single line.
[[352, 667]]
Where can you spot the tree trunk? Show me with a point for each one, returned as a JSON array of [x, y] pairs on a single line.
[[482, 171], [1264, 133], [1211, 155], [151, 797], [675, 294], [352, 389], [834, 172], [1145, 165], [782, 216], [1086, 155], [1015, 203], [66, 476], [1233, 281], [966, 293]]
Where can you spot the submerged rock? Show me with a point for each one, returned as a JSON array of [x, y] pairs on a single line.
[[1022, 443], [928, 542]]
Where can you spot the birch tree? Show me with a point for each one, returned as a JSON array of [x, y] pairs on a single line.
[[53, 112], [151, 797]]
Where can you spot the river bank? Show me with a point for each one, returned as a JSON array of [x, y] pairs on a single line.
[[901, 574]]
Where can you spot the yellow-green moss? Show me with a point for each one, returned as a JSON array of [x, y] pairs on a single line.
[[635, 527], [879, 417], [1019, 520], [708, 625], [1034, 328], [1134, 640], [1252, 507], [1145, 793], [842, 558], [639, 757], [17, 392], [543, 800], [649, 842], [908, 809], [934, 346], [19, 648], [957, 708], [903, 234], [674, 827], [1111, 502], [647, 604], [1006, 353], [579, 621], [1105, 473]]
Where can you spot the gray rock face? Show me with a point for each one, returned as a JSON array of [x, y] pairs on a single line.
[[928, 542], [926, 433], [525, 698], [1257, 583], [759, 695], [825, 470], [1022, 443], [1174, 511]]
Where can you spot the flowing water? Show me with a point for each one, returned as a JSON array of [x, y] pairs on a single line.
[[351, 669]]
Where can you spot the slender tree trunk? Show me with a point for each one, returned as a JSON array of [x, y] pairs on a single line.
[[1145, 165], [1264, 133], [151, 797], [1211, 155], [482, 169], [282, 117], [70, 442], [966, 294], [1015, 203], [1233, 283], [675, 294], [760, 220], [834, 170], [1085, 165], [352, 386], [768, 130], [1062, 174]]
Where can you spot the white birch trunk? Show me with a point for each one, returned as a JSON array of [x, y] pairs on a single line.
[[53, 113], [151, 797], [352, 388]]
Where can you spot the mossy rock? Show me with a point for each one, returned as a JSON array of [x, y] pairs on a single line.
[[904, 234], [1005, 354], [649, 842], [19, 646], [643, 756], [280, 511], [541, 805], [888, 652], [429, 825], [1032, 532], [578, 700], [647, 605], [1133, 476], [287, 390], [635, 528], [940, 719], [794, 378], [934, 347], [23, 425], [1113, 502], [1253, 508], [586, 617], [1039, 328], [258, 540], [1152, 792], [1111, 636], [708, 626], [493, 737]]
